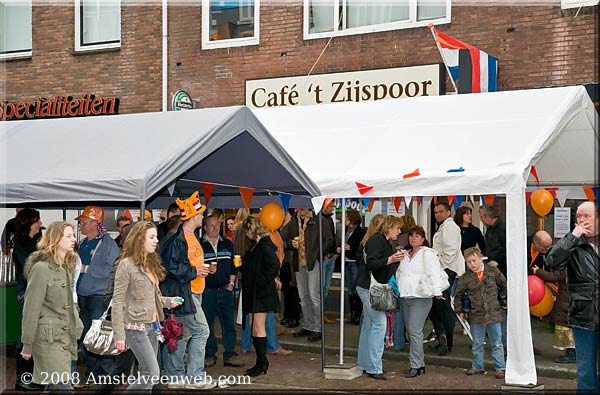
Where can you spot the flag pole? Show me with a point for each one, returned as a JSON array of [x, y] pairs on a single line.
[[431, 28]]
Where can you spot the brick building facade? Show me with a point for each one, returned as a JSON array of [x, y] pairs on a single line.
[[536, 46]]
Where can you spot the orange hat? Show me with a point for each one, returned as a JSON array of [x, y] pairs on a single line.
[[147, 215], [190, 207], [92, 212]]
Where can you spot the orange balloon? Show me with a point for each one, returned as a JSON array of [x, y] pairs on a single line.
[[272, 216], [542, 202], [544, 307]]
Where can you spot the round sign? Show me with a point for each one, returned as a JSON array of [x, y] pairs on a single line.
[[182, 101]]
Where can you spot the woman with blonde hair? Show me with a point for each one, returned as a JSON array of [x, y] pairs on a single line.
[[137, 305], [380, 261], [51, 324], [260, 266]]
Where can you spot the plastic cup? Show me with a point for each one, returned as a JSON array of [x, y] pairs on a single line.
[[237, 260]]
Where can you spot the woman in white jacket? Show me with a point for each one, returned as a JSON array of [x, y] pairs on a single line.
[[420, 277]]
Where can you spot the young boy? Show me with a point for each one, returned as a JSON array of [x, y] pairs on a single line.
[[482, 282]]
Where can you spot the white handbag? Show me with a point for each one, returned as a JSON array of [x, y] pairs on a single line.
[[99, 339]]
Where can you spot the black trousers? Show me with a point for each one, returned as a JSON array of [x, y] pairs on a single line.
[[442, 314], [291, 300]]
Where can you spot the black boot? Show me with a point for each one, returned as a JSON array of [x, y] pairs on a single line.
[[359, 309], [25, 366], [262, 364], [569, 356]]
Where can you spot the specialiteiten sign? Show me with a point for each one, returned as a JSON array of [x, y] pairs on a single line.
[[355, 86], [59, 107]]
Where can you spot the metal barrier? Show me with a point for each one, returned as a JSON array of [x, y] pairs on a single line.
[[7, 269]]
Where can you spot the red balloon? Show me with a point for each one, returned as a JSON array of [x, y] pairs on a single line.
[[272, 216], [545, 306], [536, 288]]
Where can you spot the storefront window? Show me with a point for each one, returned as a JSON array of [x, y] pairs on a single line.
[[97, 24], [324, 18], [229, 23], [15, 29]]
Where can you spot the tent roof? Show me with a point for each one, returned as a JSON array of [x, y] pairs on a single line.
[[494, 137], [126, 159]]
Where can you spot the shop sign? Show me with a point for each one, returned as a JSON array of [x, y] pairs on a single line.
[[356, 86], [59, 107], [182, 101]]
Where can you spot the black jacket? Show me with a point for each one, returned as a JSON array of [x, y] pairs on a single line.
[[24, 246], [311, 239], [495, 244], [581, 262], [179, 273], [378, 249], [259, 268]]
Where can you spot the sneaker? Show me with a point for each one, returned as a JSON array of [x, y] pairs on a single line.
[[233, 362], [210, 362], [431, 337], [282, 351], [472, 371], [199, 386], [499, 374]]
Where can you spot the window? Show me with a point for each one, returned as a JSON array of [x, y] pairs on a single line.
[[362, 16], [566, 4], [15, 29], [229, 23], [97, 24]]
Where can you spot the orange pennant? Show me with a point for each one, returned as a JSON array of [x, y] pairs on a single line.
[[589, 193], [434, 200], [247, 194], [371, 203], [327, 201], [362, 188], [397, 201], [413, 174], [451, 199], [489, 199], [534, 174], [207, 190], [527, 197]]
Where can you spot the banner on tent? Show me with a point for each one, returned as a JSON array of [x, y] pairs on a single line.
[[356, 86]]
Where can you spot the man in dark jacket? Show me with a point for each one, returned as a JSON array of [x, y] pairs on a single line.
[[578, 253], [303, 237], [183, 259]]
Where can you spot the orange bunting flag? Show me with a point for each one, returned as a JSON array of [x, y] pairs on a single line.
[[247, 194], [371, 203], [434, 200], [362, 188], [413, 174], [589, 193], [327, 201], [397, 201], [451, 199], [527, 197], [488, 199], [534, 174], [207, 190]]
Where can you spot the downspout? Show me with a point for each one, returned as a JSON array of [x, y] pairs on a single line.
[[164, 55]]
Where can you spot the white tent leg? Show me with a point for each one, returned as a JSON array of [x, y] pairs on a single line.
[[520, 364]]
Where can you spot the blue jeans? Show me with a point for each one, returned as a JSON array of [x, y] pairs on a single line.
[[219, 302], [494, 332], [328, 266], [350, 269], [272, 342], [144, 345], [372, 336], [503, 326], [91, 308], [586, 352], [195, 332], [399, 329]]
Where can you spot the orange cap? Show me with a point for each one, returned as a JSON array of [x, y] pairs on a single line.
[[92, 212]]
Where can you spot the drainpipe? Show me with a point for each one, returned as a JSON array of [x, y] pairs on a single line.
[[164, 55]]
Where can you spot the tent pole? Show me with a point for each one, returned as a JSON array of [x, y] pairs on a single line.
[[142, 211], [343, 279], [321, 288], [64, 210]]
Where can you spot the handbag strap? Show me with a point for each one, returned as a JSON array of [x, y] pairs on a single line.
[[103, 317]]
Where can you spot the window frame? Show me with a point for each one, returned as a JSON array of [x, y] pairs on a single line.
[[79, 47], [383, 27], [568, 4], [229, 42], [21, 53]]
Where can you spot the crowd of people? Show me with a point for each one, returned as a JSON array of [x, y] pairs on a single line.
[[184, 270]]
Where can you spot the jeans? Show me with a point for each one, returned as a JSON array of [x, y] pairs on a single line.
[[494, 332], [272, 342], [309, 290], [144, 345], [350, 269], [372, 336], [90, 308], [195, 332], [399, 329], [586, 352], [219, 302], [328, 266], [415, 313], [503, 326]]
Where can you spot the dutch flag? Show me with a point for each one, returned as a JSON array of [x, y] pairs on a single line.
[[475, 70]]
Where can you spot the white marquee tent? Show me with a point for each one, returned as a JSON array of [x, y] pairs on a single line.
[[493, 137]]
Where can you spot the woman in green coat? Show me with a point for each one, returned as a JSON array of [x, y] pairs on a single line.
[[51, 324]]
